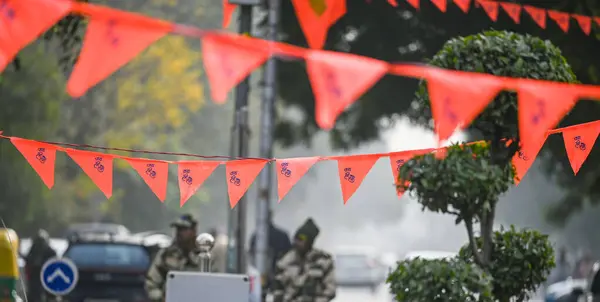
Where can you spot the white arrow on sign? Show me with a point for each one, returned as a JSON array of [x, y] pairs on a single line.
[[58, 273]]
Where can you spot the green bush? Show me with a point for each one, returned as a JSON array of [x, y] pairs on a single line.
[[521, 261], [449, 280]]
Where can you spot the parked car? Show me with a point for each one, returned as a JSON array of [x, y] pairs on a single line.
[[358, 267], [111, 268]]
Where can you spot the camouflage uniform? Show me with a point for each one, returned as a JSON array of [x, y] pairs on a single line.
[[172, 258], [308, 277]]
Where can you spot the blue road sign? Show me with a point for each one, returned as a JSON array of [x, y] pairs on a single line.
[[59, 276]]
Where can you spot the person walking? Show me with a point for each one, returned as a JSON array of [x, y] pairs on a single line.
[[39, 253], [181, 255], [304, 274]]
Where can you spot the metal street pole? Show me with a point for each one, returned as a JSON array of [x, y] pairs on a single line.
[[266, 144], [239, 148]]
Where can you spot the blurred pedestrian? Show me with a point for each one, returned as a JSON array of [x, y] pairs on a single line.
[[181, 255], [279, 244], [304, 274], [39, 253]]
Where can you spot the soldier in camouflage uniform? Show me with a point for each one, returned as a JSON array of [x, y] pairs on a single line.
[[182, 255], [304, 274]]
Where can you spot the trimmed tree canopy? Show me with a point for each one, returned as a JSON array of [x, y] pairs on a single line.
[[520, 262], [450, 280]]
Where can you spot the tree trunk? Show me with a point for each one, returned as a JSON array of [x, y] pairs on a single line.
[[487, 233], [476, 254]]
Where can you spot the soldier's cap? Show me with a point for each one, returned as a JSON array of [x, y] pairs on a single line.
[[185, 221], [308, 231]]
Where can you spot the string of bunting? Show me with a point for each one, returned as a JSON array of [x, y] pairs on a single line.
[[315, 23], [241, 172], [114, 37]]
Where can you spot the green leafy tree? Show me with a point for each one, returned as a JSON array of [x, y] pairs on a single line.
[[428, 280], [468, 180], [519, 263]]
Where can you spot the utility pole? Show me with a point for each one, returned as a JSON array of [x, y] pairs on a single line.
[[266, 144], [236, 251]]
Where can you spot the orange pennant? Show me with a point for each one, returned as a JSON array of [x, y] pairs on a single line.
[[336, 9], [562, 19], [228, 10], [440, 153], [290, 171], [393, 3], [353, 170], [24, 21], [338, 80], [397, 160], [191, 176], [414, 3], [240, 175], [523, 160], [154, 173], [579, 141], [440, 4], [541, 106], [314, 26], [491, 8], [455, 105], [98, 166], [537, 14], [230, 59], [584, 22], [463, 5], [597, 20], [40, 156], [513, 11], [113, 38]]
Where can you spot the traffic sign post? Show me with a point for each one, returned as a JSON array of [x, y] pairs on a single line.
[[59, 276]]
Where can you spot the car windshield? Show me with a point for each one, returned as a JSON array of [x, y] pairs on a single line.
[[109, 255], [352, 261]]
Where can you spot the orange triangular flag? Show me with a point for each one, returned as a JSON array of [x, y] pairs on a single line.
[[584, 22], [353, 170], [154, 173], [338, 80], [191, 175], [513, 11], [228, 10], [397, 160], [541, 106], [24, 21], [393, 3], [40, 156], [579, 141], [113, 38], [240, 175], [562, 19], [440, 4], [463, 5], [290, 171], [537, 14], [491, 8], [98, 166], [454, 104], [336, 9], [313, 26], [228, 60], [524, 158], [597, 20], [414, 3]]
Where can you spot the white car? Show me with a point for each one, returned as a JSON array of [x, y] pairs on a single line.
[[358, 267]]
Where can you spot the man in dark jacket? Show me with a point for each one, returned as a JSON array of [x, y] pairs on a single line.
[[39, 253], [279, 244]]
